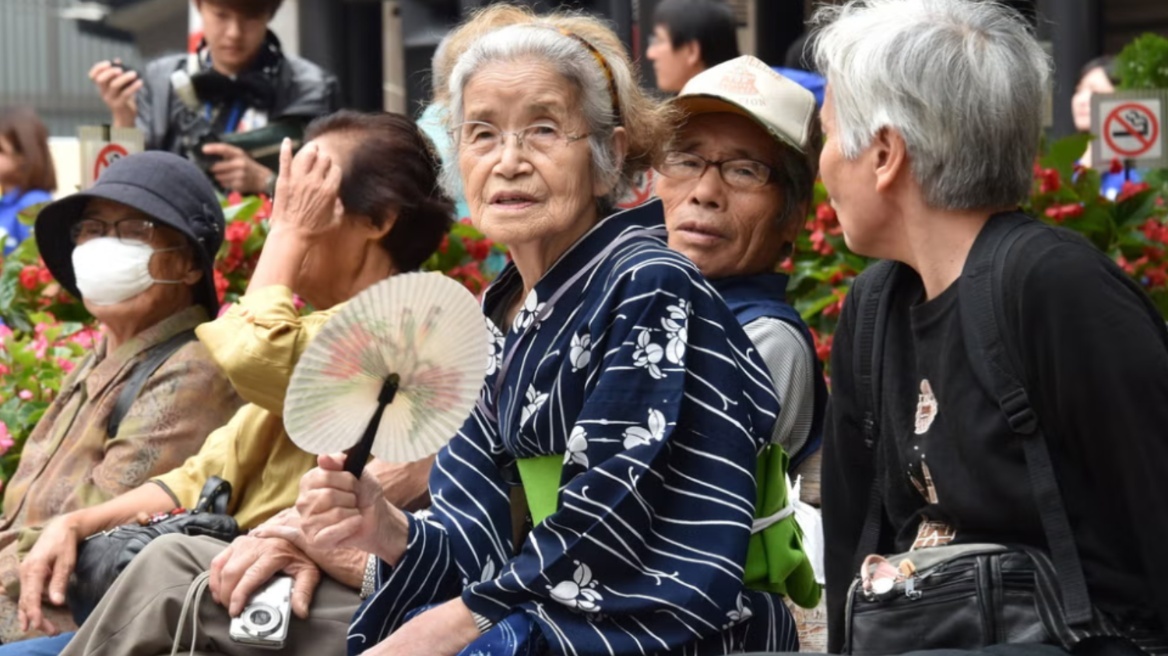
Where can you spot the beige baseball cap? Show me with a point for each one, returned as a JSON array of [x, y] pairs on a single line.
[[747, 86]]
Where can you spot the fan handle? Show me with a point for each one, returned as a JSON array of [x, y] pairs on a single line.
[[358, 455]]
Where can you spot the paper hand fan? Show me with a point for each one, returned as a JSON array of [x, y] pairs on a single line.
[[394, 372]]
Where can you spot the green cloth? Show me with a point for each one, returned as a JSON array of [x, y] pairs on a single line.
[[775, 561]]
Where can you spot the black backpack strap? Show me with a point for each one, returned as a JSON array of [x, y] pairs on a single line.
[[982, 304], [155, 356], [874, 289]]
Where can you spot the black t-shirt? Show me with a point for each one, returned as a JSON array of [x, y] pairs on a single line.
[[1097, 373]]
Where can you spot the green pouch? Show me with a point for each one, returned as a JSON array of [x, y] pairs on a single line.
[[775, 561]]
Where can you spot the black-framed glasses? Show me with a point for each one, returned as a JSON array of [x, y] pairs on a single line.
[[125, 230], [482, 138], [747, 174]]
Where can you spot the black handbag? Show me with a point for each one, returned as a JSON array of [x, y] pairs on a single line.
[[971, 596], [102, 557]]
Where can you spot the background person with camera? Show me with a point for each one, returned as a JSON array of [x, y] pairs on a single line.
[[228, 105]]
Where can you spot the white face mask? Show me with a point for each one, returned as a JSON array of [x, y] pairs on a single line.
[[109, 270]]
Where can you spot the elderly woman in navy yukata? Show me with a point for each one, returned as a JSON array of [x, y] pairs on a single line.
[[621, 377]]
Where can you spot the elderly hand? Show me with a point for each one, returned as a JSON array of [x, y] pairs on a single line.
[[117, 88], [251, 561], [236, 171], [52, 559], [441, 631], [307, 191], [406, 485], [337, 510]]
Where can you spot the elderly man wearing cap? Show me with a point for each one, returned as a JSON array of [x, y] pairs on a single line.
[[138, 250], [737, 183]]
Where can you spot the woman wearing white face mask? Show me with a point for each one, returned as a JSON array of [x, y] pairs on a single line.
[[137, 248]]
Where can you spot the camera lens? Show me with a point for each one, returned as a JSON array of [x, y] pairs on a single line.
[[261, 620]]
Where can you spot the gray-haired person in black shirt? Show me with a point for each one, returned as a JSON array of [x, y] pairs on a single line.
[[933, 120]]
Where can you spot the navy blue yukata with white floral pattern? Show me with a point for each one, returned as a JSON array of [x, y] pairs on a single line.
[[624, 361]]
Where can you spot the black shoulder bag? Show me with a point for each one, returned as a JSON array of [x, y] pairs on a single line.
[[103, 556], [971, 596]]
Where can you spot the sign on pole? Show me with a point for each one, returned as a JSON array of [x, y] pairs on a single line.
[[1129, 127], [101, 146]]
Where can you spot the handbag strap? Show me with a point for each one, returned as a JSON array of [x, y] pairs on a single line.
[[214, 497], [874, 290], [155, 356], [981, 296]]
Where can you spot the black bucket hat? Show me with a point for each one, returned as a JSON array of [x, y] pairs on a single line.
[[168, 188]]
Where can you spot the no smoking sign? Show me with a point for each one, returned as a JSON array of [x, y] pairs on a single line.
[[1128, 129], [107, 156]]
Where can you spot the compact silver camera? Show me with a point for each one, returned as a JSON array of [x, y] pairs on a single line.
[[264, 621]]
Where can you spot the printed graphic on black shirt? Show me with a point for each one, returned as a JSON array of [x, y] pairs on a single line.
[[930, 533]]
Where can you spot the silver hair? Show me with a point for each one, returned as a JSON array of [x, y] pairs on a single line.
[[963, 82], [569, 58]]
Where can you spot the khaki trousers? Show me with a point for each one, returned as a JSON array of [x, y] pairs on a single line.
[[139, 614]]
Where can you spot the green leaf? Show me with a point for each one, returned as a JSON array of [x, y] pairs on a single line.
[[812, 308], [1065, 152], [1143, 63], [1096, 223], [244, 211], [28, 215], [1136, 209]]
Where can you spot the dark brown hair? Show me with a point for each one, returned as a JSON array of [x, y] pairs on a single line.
[[250, 7], [30, 138], [392, 167]]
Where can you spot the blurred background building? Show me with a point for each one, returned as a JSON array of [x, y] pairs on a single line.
[[381, 50]]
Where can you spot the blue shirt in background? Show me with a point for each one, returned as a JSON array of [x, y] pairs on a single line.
[[813, 82], [11, 205]]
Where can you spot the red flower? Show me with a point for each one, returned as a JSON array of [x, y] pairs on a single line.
[[1116, 167], [477, 249], [825, 213], [29, 277], [44, 276], [238, 232], [1130, 189], [1156, 231], [221, 285], [1157, 276], [265, 209], [1048, 181], [822, 345], [834, 309], [233, 259], [787, 265], [234, 198], [445, 245], [1060, 213]]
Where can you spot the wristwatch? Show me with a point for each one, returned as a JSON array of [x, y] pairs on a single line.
[[369, 582]]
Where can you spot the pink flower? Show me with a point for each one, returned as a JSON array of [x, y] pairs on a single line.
[[5, 331], [40, 346], [6, 439], [83, 338], [66, 366], [25, 395]]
